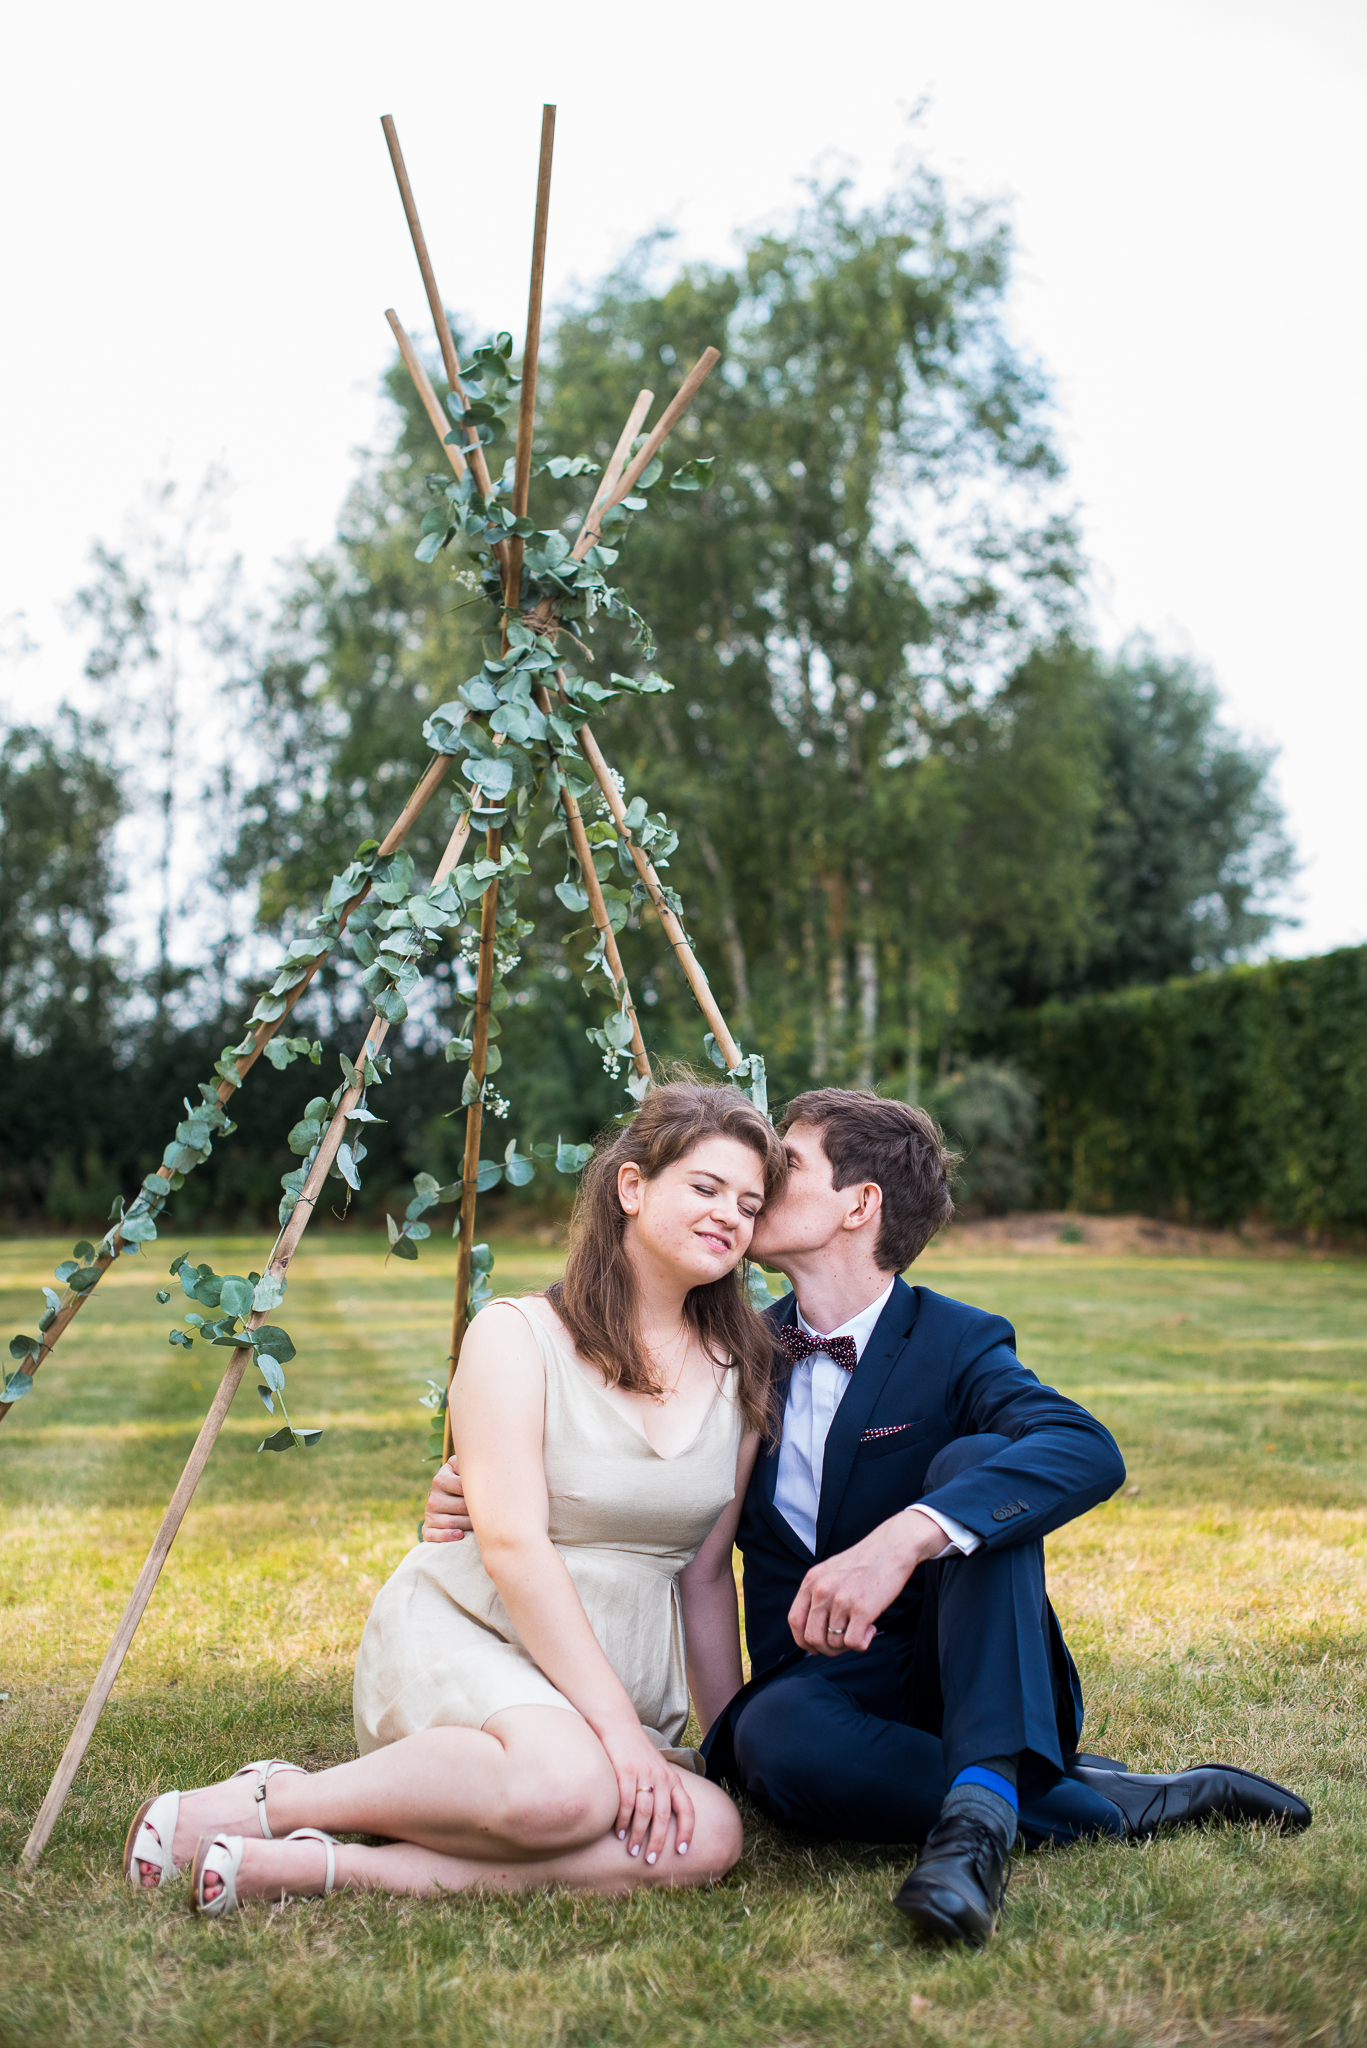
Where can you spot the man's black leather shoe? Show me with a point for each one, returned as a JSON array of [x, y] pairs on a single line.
[[957, 1887], [1188, 1798]]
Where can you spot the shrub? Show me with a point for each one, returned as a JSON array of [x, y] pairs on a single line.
[[989, 1110], [1231, 1095]]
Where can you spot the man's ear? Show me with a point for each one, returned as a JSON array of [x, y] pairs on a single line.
[[866, 1206]]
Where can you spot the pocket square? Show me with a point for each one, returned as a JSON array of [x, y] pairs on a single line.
[[872, 1436]]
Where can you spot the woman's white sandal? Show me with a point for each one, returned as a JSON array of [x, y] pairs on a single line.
[[265, 1770], [222, 1856], [151, 1837]]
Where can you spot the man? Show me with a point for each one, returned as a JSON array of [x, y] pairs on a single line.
[[910, 1679]]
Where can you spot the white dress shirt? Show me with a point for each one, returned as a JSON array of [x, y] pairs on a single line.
[[815, 1391]]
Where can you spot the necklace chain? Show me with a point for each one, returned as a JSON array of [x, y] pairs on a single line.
[[670, 1392]]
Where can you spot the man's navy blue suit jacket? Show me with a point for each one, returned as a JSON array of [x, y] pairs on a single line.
[[933, 1370]]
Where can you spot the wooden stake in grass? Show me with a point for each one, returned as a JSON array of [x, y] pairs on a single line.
[[392, 841], [209, 1430]]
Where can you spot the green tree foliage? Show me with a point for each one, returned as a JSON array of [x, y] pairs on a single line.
[[169, 633], [913, 798], [1191, 850], [60, 802], [880, 546]]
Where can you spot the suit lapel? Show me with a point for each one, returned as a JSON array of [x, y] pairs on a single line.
[[881, 1353], [784, 1311]]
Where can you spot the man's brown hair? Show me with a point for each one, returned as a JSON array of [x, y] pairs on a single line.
[[900, 1147]]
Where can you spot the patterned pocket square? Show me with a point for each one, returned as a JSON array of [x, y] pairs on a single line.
[[873, 1436]]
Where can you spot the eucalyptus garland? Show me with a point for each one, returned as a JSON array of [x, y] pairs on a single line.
[[514, 727]]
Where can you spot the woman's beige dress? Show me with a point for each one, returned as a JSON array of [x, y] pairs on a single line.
[[440, 1649]]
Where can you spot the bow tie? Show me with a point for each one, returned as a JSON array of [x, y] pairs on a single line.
[[799, 1345]]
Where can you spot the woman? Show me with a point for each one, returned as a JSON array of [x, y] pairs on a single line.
[[518, 1698]]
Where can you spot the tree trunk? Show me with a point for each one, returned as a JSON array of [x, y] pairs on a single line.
[[836, 992], [866, 974], [819, 1049], [732, 944]]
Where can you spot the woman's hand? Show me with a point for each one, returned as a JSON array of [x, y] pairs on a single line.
[[651, 1788], [446, 1518]]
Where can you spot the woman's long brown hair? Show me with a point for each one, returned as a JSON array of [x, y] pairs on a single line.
[[598, 1299]]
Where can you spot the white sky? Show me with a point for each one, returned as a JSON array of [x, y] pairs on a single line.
[[201, 234]]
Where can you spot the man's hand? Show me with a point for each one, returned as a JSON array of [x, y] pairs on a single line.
[[839, 1601], [446, 1518]]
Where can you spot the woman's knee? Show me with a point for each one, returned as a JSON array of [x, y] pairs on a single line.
[[716, 1846], [559, 1802], [723, 1839], [556, 1810]]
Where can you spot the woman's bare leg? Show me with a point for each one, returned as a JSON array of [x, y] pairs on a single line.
[[279, 1869], [532, 1780]]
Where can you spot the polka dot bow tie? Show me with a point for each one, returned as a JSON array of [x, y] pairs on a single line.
[[799, 1345]]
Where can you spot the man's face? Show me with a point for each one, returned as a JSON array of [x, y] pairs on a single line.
[[809, 1212]]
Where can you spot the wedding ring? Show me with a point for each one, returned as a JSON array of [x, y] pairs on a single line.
[[835, 1631]]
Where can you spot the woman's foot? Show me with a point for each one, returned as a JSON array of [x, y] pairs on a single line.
[[231, 1806], [301, 1866]]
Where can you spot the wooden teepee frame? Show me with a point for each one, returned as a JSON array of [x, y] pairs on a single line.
[[618, 479]]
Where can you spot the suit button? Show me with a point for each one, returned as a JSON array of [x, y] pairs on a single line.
[[1008, 1509]]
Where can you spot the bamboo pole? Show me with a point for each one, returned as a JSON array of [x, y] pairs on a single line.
[[621, 455], [474, 1125], [446, 341], [611, 493], [674, 931], [668, 419], [423, 384], [391, 842], [488, 923], [598, 911], [526, 411], [213, 1422]]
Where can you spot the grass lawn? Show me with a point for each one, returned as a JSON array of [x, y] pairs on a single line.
[[1215, 1608]]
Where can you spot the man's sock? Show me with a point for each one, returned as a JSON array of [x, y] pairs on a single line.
[[988, 1792]]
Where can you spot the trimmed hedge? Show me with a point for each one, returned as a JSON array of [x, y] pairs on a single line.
[[1234, 1095]]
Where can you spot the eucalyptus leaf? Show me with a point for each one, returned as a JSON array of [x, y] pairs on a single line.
[[272, 1339], [268, 1293], [236, 1295]]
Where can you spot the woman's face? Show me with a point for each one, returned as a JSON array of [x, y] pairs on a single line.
[[695, 1219]]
